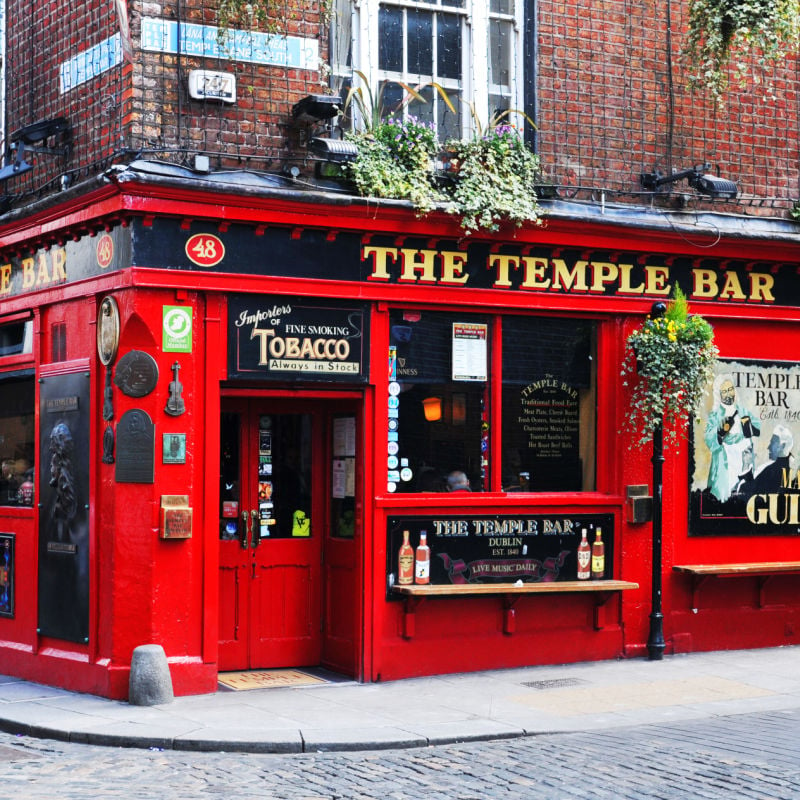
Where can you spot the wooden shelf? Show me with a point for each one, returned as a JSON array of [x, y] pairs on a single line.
[[763, 571], [414, 594]]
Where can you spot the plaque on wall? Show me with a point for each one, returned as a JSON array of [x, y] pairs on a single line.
[[107, 330], [135, 448], [137, 374], [7, 574]]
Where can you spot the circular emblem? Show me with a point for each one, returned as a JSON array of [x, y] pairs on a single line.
[[205, 249], [393, 448], [394, 388], [107, 330], [392, 462], [137, 373], [393, 425], [406, 474], [105, 251], [178, 322]]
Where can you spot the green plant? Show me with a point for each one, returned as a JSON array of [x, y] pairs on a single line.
[[495, 181], [721, 30], [794, 211], [670, 361], [394, 158]]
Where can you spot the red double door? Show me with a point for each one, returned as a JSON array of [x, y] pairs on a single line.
[[289, 534]]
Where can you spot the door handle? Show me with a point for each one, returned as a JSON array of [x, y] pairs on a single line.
[[244, 537], [256, 537]]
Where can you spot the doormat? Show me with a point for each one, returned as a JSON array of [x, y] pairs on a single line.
[[267, 679]]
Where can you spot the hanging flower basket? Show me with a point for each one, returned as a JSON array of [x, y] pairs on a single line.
[[669, 362]]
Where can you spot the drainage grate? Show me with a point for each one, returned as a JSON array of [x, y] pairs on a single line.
[[554, 683]]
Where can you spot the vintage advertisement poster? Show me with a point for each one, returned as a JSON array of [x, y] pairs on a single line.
[[499, 549], [743, 468]]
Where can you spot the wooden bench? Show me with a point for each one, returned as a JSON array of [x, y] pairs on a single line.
[[601, 592], [762, 570]]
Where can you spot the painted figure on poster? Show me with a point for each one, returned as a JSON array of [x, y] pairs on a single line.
[[729, 436], [65, 504], [773, 475]]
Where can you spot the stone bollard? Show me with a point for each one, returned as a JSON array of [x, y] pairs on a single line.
[[150, 682]]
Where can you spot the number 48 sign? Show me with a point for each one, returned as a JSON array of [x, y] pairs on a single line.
[[205, 249]]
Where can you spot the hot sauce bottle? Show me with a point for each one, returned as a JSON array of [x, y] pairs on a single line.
[[405, 562], [598, 556], [422, 563]]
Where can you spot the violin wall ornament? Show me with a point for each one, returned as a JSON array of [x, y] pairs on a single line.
[[175, 405]]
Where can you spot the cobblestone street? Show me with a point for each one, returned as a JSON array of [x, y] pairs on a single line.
[[741, 757]]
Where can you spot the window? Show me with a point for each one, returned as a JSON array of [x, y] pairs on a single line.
[[444, 385], [471, 50], [17, 419]]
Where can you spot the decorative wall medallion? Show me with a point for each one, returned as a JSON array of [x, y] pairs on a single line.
[[137, 373], [107, 330]]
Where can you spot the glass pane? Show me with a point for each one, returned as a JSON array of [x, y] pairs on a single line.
[[284, 476], [448, 57], [343, 476], [17, 442], [229, 477], [449, 126], [549, 404], [501, 6], [500, 47], [390, 35], [423, 111], [420, 42], [441, 422], [391, 98]]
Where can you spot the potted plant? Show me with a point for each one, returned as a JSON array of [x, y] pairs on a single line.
[[494, 179], [670, 361], [719, 29], [394, 160]]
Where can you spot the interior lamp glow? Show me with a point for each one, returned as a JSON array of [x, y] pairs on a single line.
[[432, 408]]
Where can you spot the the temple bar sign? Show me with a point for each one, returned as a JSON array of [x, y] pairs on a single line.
[[280, 338]]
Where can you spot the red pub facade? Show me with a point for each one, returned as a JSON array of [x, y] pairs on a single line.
[[236, 403]]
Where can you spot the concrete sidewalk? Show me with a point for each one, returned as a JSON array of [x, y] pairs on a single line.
[[420, 711]]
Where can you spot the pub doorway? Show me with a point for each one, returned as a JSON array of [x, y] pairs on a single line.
[[289, 534]]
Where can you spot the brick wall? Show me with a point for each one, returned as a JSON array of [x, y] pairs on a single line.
[[612, 99]]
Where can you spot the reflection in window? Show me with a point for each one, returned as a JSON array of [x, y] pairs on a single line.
[[549, 404], [17, 419], [438, 416]]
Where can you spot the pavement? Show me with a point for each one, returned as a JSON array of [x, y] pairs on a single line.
[[417, 712]]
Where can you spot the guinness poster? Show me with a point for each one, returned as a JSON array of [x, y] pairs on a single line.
[[744, 454], [63, 517]]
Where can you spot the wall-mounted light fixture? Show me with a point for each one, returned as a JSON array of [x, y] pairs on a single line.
[[697, 177], [317, 108], [337, 151], [31, 135], [432, 408]]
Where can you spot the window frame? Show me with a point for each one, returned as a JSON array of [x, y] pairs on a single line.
[[475, 58], [604, 462]]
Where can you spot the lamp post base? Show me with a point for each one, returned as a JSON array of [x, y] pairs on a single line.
[[655, 642]]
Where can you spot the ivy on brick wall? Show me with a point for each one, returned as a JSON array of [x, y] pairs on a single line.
[[727, 38]]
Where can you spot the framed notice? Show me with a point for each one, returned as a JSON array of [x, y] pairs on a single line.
[[7, 574], [470, 340]]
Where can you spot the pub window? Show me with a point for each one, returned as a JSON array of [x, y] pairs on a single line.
[[443, 384], [438, 404], [548, 402], [17, 417], [16, 338]]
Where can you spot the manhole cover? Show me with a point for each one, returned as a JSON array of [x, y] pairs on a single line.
[[554, 683]]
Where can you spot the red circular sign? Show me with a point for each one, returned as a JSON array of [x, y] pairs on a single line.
[[205, 249], [105, 251]]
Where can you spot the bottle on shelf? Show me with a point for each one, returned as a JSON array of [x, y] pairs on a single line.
[[598, 556], [405, 562], [584, 558], [422, 562]]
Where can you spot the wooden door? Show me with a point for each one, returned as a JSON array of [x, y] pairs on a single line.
[[272, 481]]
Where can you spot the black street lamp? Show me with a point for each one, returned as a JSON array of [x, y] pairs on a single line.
[[655, 641]]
